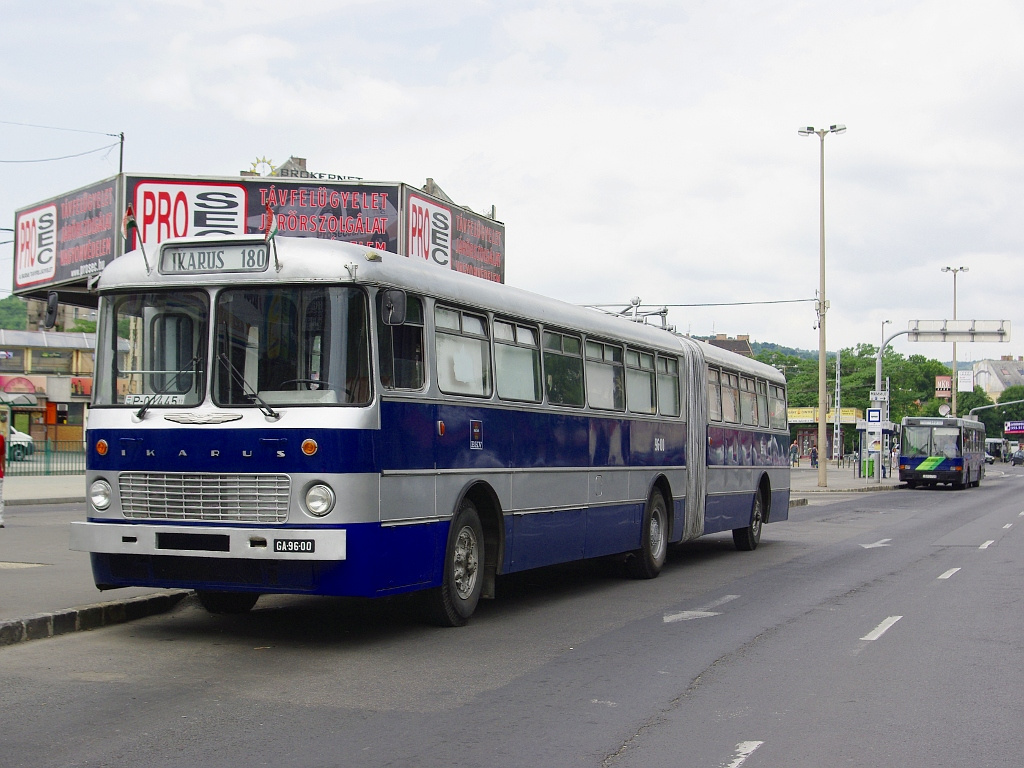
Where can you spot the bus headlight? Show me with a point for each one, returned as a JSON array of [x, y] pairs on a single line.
[[319, 499], [99, 494]]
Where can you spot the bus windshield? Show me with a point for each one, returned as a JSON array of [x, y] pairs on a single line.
[[931, 441], [152, 349], [286, 345], [291, 345]]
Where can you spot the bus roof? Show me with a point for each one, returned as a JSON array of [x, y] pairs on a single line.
[[312, 260]]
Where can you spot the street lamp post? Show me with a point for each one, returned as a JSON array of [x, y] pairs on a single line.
[[952, 404], [884, 406], [822, 304]]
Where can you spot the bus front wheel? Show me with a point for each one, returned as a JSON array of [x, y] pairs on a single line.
[[451, 604], [746, 539], [227, 602]]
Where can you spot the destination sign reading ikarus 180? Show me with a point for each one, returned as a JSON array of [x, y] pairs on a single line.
[[216, 257]]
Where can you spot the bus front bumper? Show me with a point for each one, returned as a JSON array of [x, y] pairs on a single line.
[[209, 541]]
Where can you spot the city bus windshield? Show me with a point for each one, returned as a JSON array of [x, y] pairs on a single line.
[[286, 345], [931, 441], [291, 345], [151, 349]]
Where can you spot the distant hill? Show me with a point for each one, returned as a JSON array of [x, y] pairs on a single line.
[[812, 354], [758, 347]]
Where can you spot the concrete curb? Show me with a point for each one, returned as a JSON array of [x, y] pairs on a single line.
[[61, 500], [864, 489], [44, 625]]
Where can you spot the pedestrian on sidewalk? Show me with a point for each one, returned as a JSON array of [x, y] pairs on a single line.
[[814, 456], [794, 454]]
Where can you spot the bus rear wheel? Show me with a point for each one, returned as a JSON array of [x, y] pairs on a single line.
[[451, 604], [227, 602], [746, 539], [646, 562]]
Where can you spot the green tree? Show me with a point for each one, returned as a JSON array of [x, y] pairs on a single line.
[[14, 313], [1010, 412], [82, 325]]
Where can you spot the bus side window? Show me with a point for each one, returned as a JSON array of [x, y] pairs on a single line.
[[605, 389], [516, 362], [762, 403], [640, 389], [668, 386], [462, 352], [777, 407], [730, 398], [714, 396], [748, 402], [401, 347], [563, 368]]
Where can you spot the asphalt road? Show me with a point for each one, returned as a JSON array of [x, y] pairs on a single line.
[[872, 629]]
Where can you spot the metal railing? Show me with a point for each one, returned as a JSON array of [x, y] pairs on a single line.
[[46, 457]]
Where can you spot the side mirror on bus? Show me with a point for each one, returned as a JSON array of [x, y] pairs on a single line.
[[392, 306], [50, 318]]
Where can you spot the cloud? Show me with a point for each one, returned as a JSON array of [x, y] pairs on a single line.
[[637, 148]]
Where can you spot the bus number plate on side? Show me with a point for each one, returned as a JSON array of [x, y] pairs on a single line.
[[294, 545]]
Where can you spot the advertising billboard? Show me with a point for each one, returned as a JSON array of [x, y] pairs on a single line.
[[64, 240], [453, 237], [364, 213]]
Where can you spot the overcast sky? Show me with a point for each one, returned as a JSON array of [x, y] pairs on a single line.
[[636, 148]]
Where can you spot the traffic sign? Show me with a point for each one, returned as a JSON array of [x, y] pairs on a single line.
[[879, 396], [959, 330]]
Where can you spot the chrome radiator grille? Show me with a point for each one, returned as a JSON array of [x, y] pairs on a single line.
[[222, 498]]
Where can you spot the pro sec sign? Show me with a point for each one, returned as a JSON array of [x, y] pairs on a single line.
[[165, 209]]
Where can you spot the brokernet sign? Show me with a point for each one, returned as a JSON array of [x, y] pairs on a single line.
[[166, 209]]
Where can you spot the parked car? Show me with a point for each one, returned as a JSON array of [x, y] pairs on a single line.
[[1017, 458], [19, 445]]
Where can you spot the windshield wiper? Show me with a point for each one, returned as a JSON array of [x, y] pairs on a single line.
[[190, 367], [269, 412]]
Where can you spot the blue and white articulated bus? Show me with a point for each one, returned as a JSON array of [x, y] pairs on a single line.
[[322, 418]]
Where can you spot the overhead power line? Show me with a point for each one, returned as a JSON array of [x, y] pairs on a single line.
[[55, 128], [64, 157], [711, 304]]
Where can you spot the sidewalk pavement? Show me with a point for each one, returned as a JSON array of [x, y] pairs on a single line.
[[804, 480], [46, 589]]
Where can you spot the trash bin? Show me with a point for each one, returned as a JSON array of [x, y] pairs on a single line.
[[867, 468]]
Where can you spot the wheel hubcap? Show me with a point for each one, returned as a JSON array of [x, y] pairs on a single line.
[[657, 533], [466, 563], [755, 523]]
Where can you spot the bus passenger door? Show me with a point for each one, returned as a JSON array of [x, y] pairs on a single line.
[[410, 531]]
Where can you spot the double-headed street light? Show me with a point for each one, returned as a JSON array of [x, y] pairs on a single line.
[[822, 305], [952, 404]]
